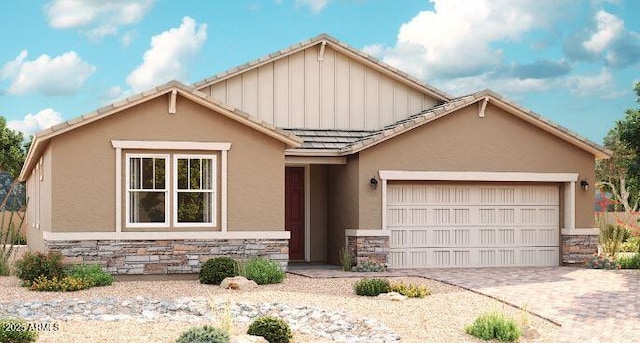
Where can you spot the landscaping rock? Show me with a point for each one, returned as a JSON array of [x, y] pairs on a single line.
[[529, 332], [392, 296], [239, 283], [248, 339]]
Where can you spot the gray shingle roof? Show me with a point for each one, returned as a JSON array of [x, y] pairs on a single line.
[[328, 139]]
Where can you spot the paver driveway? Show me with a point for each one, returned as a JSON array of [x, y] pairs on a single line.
[[591, 305]]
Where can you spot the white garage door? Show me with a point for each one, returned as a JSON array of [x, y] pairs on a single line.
[[472, 225]]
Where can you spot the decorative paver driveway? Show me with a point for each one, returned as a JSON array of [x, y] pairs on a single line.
[[591, 305]]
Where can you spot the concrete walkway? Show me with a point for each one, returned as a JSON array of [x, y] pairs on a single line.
[[590, 305]]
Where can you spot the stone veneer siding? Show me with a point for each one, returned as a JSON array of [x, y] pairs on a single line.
[[166, 256], [364, 248], [576, 249]]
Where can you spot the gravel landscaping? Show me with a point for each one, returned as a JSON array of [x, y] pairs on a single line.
[[319, 310]]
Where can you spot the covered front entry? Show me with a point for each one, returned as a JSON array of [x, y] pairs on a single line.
[[480, 224], [295, 211]]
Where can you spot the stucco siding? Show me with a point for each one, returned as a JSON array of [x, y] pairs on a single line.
[[38, 214], [343, 211], [337, 92], [462, 141], [318, 215], [84, 165]]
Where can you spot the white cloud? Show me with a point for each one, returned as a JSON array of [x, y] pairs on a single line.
[[601, 85], [455, 39], [114, 94], [33, 123], [609, 28], [127, 38], [169, 53], [60, 75], [316, 6], [96, 18]]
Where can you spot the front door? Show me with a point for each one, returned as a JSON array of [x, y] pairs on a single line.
[[294, 211]]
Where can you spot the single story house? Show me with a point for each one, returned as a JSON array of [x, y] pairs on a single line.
[[304, 152]]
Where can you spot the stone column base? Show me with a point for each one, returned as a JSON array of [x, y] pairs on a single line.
[[576, 249], [166, 256], [365, 248]]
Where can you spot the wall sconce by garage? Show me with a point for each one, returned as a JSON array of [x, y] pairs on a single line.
[[373, 182], [585, 185]]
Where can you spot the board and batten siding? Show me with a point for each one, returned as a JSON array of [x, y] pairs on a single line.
[[337, 92]]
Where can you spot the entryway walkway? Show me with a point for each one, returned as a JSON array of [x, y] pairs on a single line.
[[591, 305]]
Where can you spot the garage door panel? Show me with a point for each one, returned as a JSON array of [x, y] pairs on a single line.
[[473, 225]]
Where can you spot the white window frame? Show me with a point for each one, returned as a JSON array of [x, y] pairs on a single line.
[[214, 186], [167, 192]]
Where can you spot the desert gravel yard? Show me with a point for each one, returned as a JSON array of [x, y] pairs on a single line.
[[439, 317]]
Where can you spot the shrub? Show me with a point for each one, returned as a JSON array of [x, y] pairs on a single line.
[[16, 331], [204, 334], [630, 245], [33, 265], [629, 262], [411, 291], [602, 262], [9, 222], [217, 269], [262, 271], [92, 273], [369, 266], [610, 238], [494, 325], [371, 287], [59, 284], [345, 259], [273, 329]]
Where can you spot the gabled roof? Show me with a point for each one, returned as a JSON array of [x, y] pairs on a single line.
[[42, 138], [339, 46], [427, 116]]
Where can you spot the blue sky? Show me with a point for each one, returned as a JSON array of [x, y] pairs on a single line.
[[572, 61]]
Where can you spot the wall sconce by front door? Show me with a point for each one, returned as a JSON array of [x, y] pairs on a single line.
[[585, 185], [373, 182]]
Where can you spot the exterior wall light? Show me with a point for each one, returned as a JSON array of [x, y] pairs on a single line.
[[373, 182], [585, 185]]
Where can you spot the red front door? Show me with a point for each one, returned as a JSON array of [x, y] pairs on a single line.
[[294, 211]]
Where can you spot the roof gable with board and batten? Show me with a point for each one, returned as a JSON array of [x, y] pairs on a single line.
[[324, 84]]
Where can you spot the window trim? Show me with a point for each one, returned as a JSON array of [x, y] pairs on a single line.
[[167, 196], [214, 189]]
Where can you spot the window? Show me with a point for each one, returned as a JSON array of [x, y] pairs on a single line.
[[147, 191], [194, 185]]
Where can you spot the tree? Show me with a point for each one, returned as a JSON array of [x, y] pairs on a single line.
[[12, 153], [620, 175]]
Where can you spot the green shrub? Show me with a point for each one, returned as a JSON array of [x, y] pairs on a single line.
[[346, 260], [59, 284], [369, 266], [273, 329], [411, 291], [632, 244], [602, 262], [629, 262], [92, 273], [16, 331], [262, 271], [610, 238], [217, 269], [33, 265], [494, 325], [204, 334], [371, 287]]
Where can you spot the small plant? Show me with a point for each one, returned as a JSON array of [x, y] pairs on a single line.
[[204, 334], [610, 238], [217, 269], [411, 291], [369, 266], [494, 325], [92, 273], [9, 221], [16, 331], [273, 329], [262, 271], [602, 262], [632, 244], [33, 265], [346, 260], [59, 284], [371, 287], [629, 262]]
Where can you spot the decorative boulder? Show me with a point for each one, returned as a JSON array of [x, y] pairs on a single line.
[[238, 283], [392, 296], [529, 332], [248, 339]]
